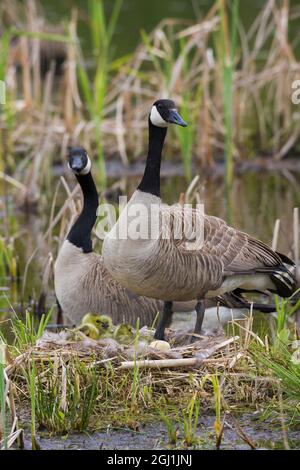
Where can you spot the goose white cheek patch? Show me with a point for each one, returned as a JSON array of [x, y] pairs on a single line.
[[87, 169], [156, 118]]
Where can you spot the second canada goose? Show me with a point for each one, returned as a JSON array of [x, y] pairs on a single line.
[[82, 283], [171, 269]]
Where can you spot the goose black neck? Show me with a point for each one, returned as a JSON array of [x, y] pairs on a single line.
[[80, 233], [151, 179]]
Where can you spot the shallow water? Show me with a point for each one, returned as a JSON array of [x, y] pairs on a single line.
[[137, 15], [154, 437]]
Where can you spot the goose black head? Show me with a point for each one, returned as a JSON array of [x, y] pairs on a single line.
[[78, 160], [164, 112]]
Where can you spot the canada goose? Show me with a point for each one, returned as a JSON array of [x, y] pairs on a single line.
[[89, 330], [103, 323], [86, 329], [171, 269], [82, 283], [124, 333]]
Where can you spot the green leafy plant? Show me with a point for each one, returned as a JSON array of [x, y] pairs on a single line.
[[285, 366], [284, 311], [27, 331], [63, 396], [171, 428], [190, 421], [217, 399]]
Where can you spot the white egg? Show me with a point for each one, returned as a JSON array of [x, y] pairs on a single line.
[[161, 345]]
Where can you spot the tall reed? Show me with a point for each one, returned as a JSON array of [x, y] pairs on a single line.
[[228, 34], [217, 399], [190, 421], [5, 110], [190, 108], [94, 89]]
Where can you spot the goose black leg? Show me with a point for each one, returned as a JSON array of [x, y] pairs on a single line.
[[59, 318], [165, 320], [200, 310]]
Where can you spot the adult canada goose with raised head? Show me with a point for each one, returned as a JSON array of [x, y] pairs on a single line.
[[172, 269]]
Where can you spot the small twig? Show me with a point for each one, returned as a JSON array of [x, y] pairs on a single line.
[[282, 420], [235, 359], [18, 361], [240, 431], [249, 333]]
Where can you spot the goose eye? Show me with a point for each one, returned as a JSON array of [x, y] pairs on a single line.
[[98, 321]]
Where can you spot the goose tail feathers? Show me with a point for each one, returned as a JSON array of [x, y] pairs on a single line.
[[235, 299], [284, 277]]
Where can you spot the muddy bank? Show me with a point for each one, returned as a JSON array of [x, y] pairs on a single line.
[[262, 434]]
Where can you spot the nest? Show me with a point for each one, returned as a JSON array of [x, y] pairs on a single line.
[[216, 351]]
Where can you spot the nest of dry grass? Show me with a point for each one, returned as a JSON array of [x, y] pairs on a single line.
[[213, 351], [75, 385]]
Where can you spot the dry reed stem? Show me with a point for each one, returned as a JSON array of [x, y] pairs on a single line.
[[14, 433], [275, 234], [161, 363], [13, 182]]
